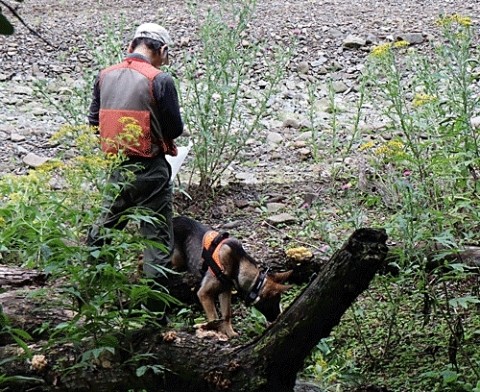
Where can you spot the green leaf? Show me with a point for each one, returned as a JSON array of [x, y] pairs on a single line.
[[449, 376], [22, 344], [464, 301], [21, 333], [141, 371], [6, 27]]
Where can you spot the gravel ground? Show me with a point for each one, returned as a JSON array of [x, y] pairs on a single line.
[[319, 26]]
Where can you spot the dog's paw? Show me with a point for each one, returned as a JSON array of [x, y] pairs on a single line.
[[210, 334], [219, 329], [226, 328], [213, 325]]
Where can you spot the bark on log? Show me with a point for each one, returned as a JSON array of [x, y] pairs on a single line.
[[268, 363], [17, 277]]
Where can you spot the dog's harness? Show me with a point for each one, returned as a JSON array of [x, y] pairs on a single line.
[[252, 297], [210, 254], [211, 260]]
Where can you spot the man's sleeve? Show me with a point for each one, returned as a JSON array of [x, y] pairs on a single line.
[[93, 115], [167, 100]]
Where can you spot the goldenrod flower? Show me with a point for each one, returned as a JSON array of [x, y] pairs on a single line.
[[15, 197], [50, 166], [381, 50], [366, 146], [423, 99], [395, 145], [455, 18], [393, 148], [401, 44]]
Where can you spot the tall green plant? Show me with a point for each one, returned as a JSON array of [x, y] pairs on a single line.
[[219, 111], [44, 219], [428, 174], [430, 102], [73, 99]]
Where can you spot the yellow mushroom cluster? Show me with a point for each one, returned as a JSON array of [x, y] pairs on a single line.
[[299, 254]]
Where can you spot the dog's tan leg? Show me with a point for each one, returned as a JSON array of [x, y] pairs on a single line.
[[207, 299], [226, 310]]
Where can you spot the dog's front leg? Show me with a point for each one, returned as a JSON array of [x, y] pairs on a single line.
[[207, 299], [226, 310]]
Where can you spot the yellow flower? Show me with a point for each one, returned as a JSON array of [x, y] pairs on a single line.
[[423, 99], [455, 18], [393, 148], [401, 44], [15, 197], [366, 146], [381, 50], [395, 145], [50, 166]]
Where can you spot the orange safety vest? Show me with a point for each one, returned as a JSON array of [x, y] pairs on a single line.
[[128, 112]]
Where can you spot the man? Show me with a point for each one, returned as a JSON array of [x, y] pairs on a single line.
[[136, 91]]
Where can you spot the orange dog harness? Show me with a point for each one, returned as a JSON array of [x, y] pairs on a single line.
[[211, 257]]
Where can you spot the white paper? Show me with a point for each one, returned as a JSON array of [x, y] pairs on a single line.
[[176, 162]]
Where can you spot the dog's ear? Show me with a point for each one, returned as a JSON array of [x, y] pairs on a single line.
[[281, 277], [273, 289], [281, 288]]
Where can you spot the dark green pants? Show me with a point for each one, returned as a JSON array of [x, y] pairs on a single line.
[[150, 189]]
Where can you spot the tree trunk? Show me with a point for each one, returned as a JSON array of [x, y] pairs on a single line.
[[268, 363]]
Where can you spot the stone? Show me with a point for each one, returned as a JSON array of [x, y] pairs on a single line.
[[411, 38], [339, 87], [303, 67], [274, 207], [34, 160], [16, 137], [475, 122], [354, 42], [291, 123], [282, 218], [274, 138]]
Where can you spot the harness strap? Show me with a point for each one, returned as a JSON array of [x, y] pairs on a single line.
[[210, 254], [253, 295], [211, 260]]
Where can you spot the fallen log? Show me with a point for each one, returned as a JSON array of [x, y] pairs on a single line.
[[18, 277], [179, 361]]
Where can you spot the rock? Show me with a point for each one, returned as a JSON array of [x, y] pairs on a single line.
[[305, 153], [274, 207], [34, 160], [16, 137], [303, 67], [21, 90], [411, 38], [339, 87], [291, 123], [282, 218], [299, 144], [475, 122], [319, 62], [354, 42], [247, 178], [274, 138]]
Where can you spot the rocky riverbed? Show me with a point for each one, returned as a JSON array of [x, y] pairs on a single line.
[[332, 38]]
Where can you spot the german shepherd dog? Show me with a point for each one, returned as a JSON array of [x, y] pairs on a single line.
[[221, 264]]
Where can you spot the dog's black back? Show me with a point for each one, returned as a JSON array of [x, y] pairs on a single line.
[[188, 236]]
